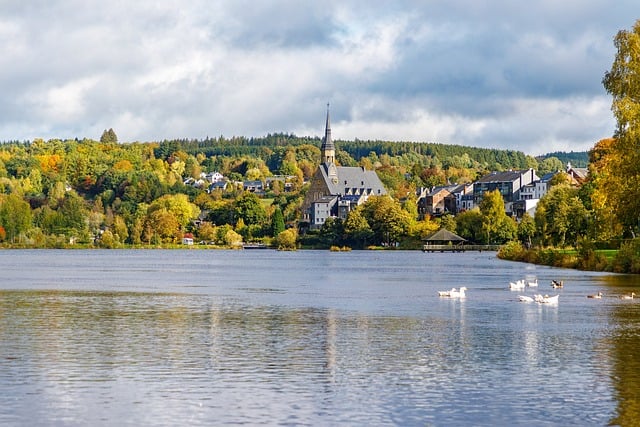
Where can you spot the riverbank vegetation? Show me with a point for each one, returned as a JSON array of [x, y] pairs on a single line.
[[610, 217]]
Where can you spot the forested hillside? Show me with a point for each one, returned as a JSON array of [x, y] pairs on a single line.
[[110, 193], [579, 159]]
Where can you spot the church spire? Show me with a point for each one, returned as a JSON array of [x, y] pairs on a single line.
[[327, 150]]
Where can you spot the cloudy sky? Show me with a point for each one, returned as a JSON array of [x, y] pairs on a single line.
[[499, 74]]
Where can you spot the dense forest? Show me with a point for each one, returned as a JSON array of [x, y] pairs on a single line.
[[579, 159], [107, 193]]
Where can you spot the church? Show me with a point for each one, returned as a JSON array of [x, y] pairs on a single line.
[[336, 190]]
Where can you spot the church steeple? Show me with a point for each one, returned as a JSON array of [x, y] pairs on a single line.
[[327, 150]]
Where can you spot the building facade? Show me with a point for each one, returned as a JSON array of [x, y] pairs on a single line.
[[336, 190]]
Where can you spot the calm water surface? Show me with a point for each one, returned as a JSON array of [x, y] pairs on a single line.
[[310, 338]]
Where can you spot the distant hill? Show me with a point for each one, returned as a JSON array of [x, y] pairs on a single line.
[[579, 159]]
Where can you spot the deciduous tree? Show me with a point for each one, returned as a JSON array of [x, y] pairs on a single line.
[[622, 82], [15, 216]]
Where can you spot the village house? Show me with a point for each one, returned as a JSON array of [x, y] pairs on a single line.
[[437, 201], [253, 186], [578, 176], [509, 183]]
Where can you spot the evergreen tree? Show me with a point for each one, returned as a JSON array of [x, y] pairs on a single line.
[[277, 222], [109, 137]]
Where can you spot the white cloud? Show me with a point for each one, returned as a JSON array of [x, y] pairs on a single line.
[[456, 72]]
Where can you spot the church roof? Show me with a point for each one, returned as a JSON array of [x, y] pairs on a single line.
[[327, 142], [351, 180]]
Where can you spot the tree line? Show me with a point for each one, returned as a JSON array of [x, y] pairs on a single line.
[[103, 192]]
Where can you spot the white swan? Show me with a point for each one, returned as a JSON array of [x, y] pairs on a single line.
[[596, 296], [533, 284], [447, 293], [453, 293], [458, 294], [524, 298], [546, 299], [516, 286], [633, 294]]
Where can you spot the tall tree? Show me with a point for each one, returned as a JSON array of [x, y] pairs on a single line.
[[15, 216], [277, 222], [469, 225], [526, 229], [622, 82], [109, 137], [561, 217], [387, 219], [250, 209], [494, 217], [356, 229]]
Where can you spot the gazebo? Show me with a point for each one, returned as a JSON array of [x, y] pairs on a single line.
[[444, 240]]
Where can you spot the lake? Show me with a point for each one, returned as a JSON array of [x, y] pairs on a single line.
[[214, 337]]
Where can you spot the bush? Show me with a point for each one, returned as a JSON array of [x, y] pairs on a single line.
[[287, 240], [512, 250], [588, 258], [627, 260]]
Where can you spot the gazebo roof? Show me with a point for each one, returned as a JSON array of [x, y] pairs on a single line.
[[444, 235]]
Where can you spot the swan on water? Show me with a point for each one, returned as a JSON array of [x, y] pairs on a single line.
[[630, 296], [453, 293], [447, 293], [546, 299], [596, 296], [515, 286]]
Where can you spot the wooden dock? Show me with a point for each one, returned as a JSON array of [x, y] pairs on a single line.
[[459, 248]]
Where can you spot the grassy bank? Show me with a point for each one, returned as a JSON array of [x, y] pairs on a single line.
[[584, 257]]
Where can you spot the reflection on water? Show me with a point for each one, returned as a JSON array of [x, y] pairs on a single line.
[[293, 350]]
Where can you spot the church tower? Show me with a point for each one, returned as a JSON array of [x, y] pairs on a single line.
[[327, 150]]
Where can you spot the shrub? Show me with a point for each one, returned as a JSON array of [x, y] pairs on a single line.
[[287, 240], [627, 260], [512, 250]]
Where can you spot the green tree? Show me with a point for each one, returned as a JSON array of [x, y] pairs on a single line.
[[550, 164], [331, 232], [74, 214], [250, 209], [622, 82], [526, 229], [496, 225], [277, 222], [15, 216], [120, 229], [108, 137], [387, 219], [448, 221], [561, 217], [357, 231]]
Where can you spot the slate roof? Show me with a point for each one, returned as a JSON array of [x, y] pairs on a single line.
[[506, 176], [351, 180]]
